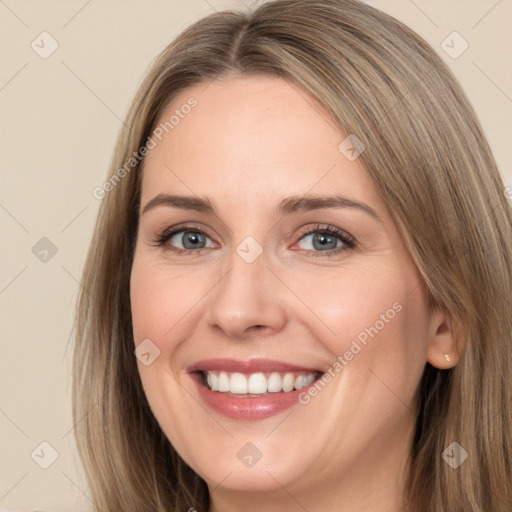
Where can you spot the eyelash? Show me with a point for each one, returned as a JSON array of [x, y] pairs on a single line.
[[349, 242]]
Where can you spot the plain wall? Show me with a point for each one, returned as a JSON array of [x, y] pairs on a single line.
[[60, 117]]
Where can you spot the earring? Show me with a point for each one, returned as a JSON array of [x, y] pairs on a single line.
[[447, 357]]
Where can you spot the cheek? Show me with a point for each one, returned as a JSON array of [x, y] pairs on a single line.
[[162, 305], [378, 351], [377, 321], [162, 301]]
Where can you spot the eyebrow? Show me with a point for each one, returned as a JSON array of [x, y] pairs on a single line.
[[289, 205]]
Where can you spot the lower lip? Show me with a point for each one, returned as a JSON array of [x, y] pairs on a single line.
[[248, 408]]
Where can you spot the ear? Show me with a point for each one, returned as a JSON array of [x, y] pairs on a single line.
[[443, 349]]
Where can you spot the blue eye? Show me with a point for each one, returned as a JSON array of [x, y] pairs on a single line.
[[184, 240], [325, 240], [319, 240], [189, 239]]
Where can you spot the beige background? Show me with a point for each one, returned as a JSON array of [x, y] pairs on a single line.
[[59, 119]]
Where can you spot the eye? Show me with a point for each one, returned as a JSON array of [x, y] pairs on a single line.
[[189, 240], [185, 239], [325, 239], [319, 240]]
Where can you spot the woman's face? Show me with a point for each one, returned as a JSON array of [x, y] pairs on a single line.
[[264, 259]]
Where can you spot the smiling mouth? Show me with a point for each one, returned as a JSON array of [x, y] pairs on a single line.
[[256, 385], [251, 390]]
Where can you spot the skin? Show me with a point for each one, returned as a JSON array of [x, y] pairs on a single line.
[[249, 143]]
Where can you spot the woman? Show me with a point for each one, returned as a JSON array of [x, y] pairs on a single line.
[[298, 292]]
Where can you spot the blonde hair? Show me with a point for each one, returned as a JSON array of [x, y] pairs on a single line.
[[430, 162]]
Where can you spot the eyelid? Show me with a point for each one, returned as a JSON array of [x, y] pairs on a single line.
[[349, 242], [162, 237], [186, 226], [313, 228]]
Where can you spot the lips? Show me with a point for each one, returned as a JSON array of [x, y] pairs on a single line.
[[251, 366], [251, 390]]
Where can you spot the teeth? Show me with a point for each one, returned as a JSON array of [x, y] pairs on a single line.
[[238, 384], [213, 382], [257, 383], [300, 382], [223, 382], [274, 383]]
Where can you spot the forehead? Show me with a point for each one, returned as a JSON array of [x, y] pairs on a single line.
[[254, 138]]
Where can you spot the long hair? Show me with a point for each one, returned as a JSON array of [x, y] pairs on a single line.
[[430, 162]]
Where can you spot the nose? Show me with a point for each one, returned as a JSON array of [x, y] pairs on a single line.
[[247, 300]]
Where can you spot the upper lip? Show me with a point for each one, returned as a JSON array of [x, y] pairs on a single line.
[[248, 366]]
